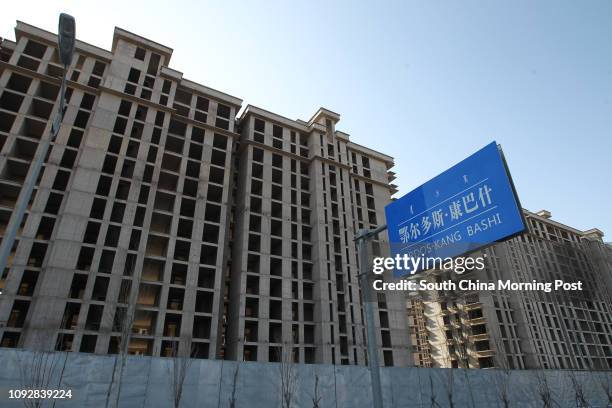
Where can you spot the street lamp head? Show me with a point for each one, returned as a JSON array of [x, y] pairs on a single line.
[[66, 38]]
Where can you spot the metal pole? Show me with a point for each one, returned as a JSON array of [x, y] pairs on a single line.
[[30, 182], [363, 240]]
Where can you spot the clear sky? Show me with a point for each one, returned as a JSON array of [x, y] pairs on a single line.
[[427, 82]]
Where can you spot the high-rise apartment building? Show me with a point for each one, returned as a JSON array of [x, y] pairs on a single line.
[[522, 329], [161, 213]]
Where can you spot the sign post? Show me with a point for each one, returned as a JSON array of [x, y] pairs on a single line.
[[363, 239]]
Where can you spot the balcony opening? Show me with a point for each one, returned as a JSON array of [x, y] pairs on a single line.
[[167, 181], [160, 223], [141, 347], [213, 213], [258, 155], [250, 353], [253, 262], [254, 242], [276, 288], [255, 204], [157, 246], [35, 49], [251, 308], [255, 223], [193, 169], [275, 333], [250, 331], [28, 63], [100, 288], [149, 295], [171, 162], [218, 158], [256, 187], [144, 323], [153, 270], [32, 128], [11, 101], [47, 91], [190, 188], [204, 302], [19, 83], [37, 254], [276, 247], [252, 285], [178, 274], [88, 343], [164, 202], [257, 171], [139, 216], [276, 267], [181, 250], [307, 290], [77, 288], [175, 299], [276, 309], [45, 228], [206, 278], [201, 327], [276, 228], [94, 317], [84, 260], [135, 240], [277, 193], [104, 186], [276, 210], [28, 283], [6, 121], [174, 144], [482, 345], [210, 233], [40, 109], [208, 255], [112, 236], [106, 261], [71, 315], [172, 325]]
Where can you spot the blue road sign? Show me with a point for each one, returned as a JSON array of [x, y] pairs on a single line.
[[467, 207]]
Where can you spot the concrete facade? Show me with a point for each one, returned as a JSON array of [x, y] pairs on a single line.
[[523, 329], [159, 207]]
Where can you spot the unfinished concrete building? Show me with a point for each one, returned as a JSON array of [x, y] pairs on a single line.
[[160, 212], [523, 329], [303, 189]]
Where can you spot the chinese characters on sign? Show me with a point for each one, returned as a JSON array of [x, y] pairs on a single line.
[[434, 220], [470, 205]]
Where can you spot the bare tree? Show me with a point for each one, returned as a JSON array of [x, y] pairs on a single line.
[[543, 391], [232, 399], [288, 375], [604, 383], [432, 394], [316, 398], [122, 323], [178, 366], [37, 366], [501, 376], [578, 387]]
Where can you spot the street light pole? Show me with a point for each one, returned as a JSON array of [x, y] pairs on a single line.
[[66, 40], [363, 239]]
